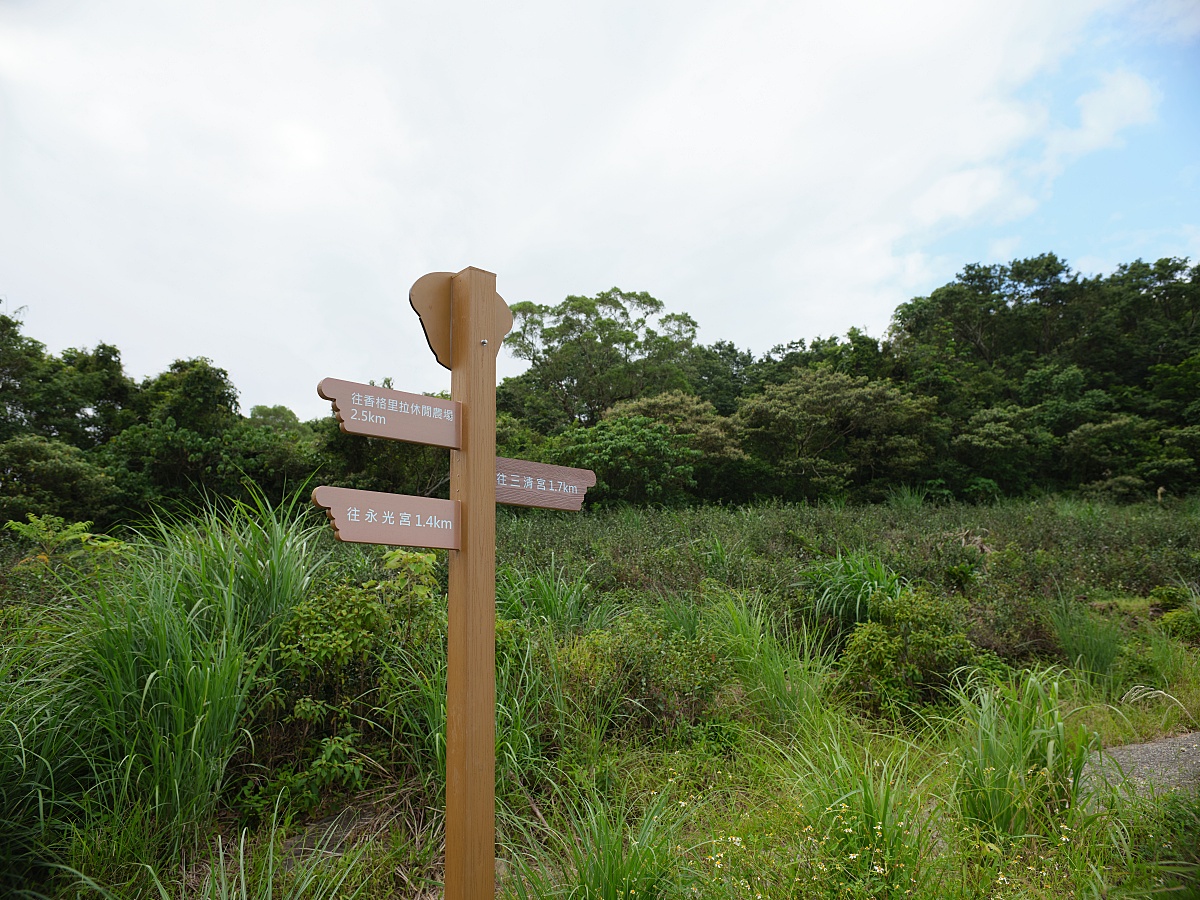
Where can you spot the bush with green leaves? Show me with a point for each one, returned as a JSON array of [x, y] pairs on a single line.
[[337, 668], [636, 460], [644, 671], [1182, 623], [909, 651]]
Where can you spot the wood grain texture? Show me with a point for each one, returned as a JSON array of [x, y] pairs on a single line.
[[374, 517], [396, 415], [430, 299], [523, 483], [479, 322]]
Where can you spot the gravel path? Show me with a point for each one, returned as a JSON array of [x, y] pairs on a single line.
[[1171, 763]]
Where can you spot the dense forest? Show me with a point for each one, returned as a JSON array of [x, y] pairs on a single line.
[[1011, 380]]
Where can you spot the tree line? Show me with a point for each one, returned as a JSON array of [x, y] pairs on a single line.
[[1010, 380]]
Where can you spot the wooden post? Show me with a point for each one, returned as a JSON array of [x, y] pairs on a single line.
[[476, 329]]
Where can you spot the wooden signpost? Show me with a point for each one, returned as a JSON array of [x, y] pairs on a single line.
[[465, 321]]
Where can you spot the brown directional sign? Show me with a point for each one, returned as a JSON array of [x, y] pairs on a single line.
[[521, 483], [373, 517], [381, 412], [465, 321]]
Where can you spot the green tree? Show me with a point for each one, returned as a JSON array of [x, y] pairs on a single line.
[[587, 353], [720, 468], [636, 460], [823, 432], [81, 398], [48, 477]]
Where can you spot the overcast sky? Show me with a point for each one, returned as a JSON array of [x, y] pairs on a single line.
[[260, 183]]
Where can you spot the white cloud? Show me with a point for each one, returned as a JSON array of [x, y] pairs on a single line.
[[1124, 99], [261, 183]]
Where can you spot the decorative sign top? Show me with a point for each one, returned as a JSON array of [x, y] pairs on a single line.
[[521, 483], [381, 412], [372, 517], [430, 299]]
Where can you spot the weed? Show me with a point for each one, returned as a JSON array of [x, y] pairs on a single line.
[[1091, 644], [869, 824], [842, 587], [1020, 764], [607, 857]]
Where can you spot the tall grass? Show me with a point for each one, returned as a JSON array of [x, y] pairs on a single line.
[[1091, 644], [784, 673], [549, 596], [159, 656], [871, 831], [606, 852], [45, 771], [842, 587], [1020, 763]]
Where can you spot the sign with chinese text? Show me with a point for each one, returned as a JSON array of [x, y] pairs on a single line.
[[381, 412], [465, 321], [521, 483], [373, 517]]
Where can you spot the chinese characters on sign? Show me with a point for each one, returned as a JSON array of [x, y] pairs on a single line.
[[373, 517], [381, 412], [465, 321], [522, 483]]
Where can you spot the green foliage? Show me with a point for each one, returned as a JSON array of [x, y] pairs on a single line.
[[45, 476], [909, 651], [610, 857], [588, 353], [1091, 644], [783, 675], [59, 542], [654, 676], [823, 432], [1182, 623], [843, 587], [1170, 596], [871, 832], [549, 596], [1020, 765], [340, 669], [635, 460]]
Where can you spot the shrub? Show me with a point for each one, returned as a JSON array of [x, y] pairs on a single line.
[[1183, 624], [1170, 596], [907, 653], [642, 667]]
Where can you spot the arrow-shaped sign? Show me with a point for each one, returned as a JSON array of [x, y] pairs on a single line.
[[373, 517], [381, 412]]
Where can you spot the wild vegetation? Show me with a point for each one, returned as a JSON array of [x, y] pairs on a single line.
[[822, 700], [1013, 380], [852, 619]]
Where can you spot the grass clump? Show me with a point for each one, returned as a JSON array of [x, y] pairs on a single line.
[[611, 853], [844, 587], [1091, 644], [1020, 764], [868, 825]]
